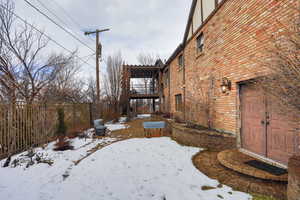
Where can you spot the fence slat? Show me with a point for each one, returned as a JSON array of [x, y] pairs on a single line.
[[23, 125]]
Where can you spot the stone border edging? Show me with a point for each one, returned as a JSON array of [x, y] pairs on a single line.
[[227, 160]]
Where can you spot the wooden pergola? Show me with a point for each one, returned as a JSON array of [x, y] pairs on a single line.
[[131, 90]]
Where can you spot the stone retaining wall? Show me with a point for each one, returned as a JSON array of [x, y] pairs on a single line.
[[294, 178], [202, 138]]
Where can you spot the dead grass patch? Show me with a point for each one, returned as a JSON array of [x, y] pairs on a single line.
[[136, 129], [208, 164], [261, 197]]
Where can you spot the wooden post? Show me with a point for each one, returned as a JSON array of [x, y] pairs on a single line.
[[97, 67], [160, 83], [98, 53]]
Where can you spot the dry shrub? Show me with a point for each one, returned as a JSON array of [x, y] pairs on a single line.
[[76, 131], [111, 116], [63, 145]]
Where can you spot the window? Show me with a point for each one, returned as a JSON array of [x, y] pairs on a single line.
[[181, 61], [200, 43], [178, 102], [208, 7]]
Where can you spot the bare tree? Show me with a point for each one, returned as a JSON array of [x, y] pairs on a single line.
[[24, 72], [113, 80], [67, 87], [90, 92], [283, 61], [146, 59]]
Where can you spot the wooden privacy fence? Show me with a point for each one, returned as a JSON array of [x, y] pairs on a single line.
[[23, 126]]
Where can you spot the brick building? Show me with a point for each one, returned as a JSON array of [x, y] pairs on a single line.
[[207, 79]]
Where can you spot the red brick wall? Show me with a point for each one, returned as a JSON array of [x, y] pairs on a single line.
[[176, 85], [166, 103], [235, 40]]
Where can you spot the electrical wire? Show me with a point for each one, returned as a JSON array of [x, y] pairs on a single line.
[[69, 16], [56, 16], [47, 36], [54, 22]]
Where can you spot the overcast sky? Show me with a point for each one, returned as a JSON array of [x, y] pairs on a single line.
[[153, 26]]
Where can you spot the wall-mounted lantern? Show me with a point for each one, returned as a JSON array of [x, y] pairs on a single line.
[[226, 85]]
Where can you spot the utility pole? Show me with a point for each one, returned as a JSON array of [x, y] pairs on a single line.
[[98, 54]]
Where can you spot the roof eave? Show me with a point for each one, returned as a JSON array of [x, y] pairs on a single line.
[[189, 22]]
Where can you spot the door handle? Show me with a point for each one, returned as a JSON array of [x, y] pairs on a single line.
[[263, 122]]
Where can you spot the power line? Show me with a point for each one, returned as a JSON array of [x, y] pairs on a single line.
[[54, 41], [55, 15], [44, 6], [88, 57], [69, 16], [54, 22]]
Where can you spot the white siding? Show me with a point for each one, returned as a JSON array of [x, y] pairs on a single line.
[[197, 21], [208, 7]]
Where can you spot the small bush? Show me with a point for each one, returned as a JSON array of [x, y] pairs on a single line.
[[109, 115], [76, 131], [61, 131], [61, 127], [63, 145]]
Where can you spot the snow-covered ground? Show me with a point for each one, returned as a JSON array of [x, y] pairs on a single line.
[[116, 126], [146, 169], [143, 116]]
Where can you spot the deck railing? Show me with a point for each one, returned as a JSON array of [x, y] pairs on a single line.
[[140, 89]]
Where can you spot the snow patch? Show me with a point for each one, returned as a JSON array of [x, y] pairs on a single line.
[[150, 169], [143, 116], [116, 126]]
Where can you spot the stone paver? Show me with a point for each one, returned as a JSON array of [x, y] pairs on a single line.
[[235, 160]]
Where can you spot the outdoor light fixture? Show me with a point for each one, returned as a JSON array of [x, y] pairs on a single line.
[[226, 85]]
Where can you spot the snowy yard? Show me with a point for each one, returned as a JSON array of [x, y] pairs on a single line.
[[153, 169]]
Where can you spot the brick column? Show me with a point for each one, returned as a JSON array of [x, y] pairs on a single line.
[[294, 178]]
